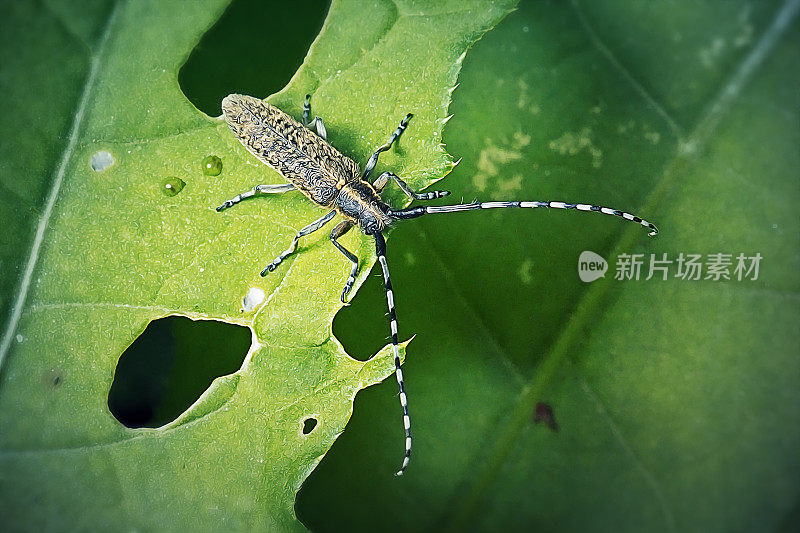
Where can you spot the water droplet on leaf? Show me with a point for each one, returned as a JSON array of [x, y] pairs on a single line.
[[212, 166], [254, 297], [101, 160], [172, 186]]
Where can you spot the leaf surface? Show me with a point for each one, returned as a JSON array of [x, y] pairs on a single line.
[[94, 252]]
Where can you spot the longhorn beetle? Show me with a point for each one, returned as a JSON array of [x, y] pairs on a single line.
[[334, 181]]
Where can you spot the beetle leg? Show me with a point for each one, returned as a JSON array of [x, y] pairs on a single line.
[[380, 182], [306, 110], [311, 228], [384, 178], [266, 189], [373, 160], [320, 127], [317, 122], [340, 229]]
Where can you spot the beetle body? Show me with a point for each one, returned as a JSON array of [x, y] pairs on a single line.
[[308, 161]]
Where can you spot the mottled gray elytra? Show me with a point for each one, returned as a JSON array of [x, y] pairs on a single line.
[[333, 180]]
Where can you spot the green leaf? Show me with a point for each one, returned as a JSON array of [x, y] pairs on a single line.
[[94, 249], [676, 401]]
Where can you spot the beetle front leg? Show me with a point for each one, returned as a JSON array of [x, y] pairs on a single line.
[[340, 229], [373, 160], [384, 178]]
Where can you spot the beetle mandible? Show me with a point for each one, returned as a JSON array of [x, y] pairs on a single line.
[[334, 181]]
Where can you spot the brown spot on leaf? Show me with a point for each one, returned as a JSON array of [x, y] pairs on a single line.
[[543, 412], [52, 378]]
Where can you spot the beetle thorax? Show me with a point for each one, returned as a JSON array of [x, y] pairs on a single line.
[[360, 203]]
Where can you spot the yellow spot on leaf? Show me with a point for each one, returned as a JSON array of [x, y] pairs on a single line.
[[524, 271], [574, 143]]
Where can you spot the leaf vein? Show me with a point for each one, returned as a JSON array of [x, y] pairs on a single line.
[[650, 479], [500, 350], [636, 84], [24, 286]]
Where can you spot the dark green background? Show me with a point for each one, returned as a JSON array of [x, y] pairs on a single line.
[[677, 401]]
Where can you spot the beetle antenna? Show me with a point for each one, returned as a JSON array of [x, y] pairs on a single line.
[[380, 250], [414, 212]]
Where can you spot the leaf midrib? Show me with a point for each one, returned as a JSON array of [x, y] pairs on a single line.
[[21, 293]]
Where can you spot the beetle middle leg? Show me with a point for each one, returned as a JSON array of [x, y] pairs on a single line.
[[373, 160], [318, 124], [266, 189], [340, 229], [311, 228], [384, 178]]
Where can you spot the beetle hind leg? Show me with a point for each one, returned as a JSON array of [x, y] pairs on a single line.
[[265, 189], [311, 228], [306, 110]]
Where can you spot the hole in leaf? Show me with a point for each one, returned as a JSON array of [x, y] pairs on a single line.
[[254, 48], [170, 365], [309, 424], [363, 326]]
